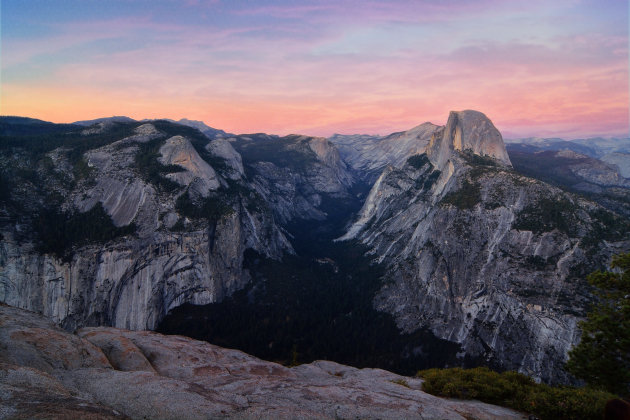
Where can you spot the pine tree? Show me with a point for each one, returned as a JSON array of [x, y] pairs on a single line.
[[602, 358]]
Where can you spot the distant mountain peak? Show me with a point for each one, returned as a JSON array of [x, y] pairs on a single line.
[[203, 127], [117, 118], [467, 130]]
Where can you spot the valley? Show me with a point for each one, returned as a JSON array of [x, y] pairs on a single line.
[[433, 247]]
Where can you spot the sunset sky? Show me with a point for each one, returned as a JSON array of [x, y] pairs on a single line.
[[536, 68]]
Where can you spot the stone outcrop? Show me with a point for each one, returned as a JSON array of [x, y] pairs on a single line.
[[178, 151], [108, 373], [467, 130], [296, 174], [173, 258], [223, 149], [594, 171]]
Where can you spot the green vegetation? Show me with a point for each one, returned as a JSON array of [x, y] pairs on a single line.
[[401, 382], [478, 160], [212, 208], [5, 188], [418, 161], [35, 139], [68, 136], [546, 215], [517, 391], [82, 169], [152, 170], [427, 183], [300, 310], [536, 262], [59, 231], [605, 225], [467, 197], [602, 358]]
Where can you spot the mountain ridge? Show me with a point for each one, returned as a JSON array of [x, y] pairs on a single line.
[[181, 208]]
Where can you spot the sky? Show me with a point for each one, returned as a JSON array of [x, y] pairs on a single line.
[[535, 68]]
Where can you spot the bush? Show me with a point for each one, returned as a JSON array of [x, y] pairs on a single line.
[[418, 161], [60, 231], [546, 215], [602, 358], [211, 208], [467, 197], [517, 391]]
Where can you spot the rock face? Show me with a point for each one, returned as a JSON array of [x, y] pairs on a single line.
[[298, 175], [483, 256], [620, 161], [477, 253], [175, 256], [197, 173], [594, 171], [602, 181], [196, 205], [467, 130], [223, 149], [369, 155], [108, 373]]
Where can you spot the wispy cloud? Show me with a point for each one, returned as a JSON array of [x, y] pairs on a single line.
[[324, 67]]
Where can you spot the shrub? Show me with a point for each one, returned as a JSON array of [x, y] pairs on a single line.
[[60, 231], [602, 358], [211, 208], [478, 160], [546, 215], [418, 161], [400, 382], [151, 169], [467, 197], [431, 179], [517, 391]]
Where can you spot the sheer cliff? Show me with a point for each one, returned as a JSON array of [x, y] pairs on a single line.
[[116, 223], [484, 256]]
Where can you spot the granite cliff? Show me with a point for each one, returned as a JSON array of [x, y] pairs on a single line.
[[369, 155], [484, 256], [179, 213]]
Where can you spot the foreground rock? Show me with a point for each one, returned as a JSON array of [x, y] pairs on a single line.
[[107, 373]]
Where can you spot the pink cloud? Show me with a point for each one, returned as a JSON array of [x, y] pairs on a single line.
[[324, 78]]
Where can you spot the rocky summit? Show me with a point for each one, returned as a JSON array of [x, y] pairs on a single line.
[[109, 373], [484, 256]]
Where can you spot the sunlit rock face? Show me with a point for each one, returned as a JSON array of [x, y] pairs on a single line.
[[369, 155], [178, 151], [483, 256], [467, 130]]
